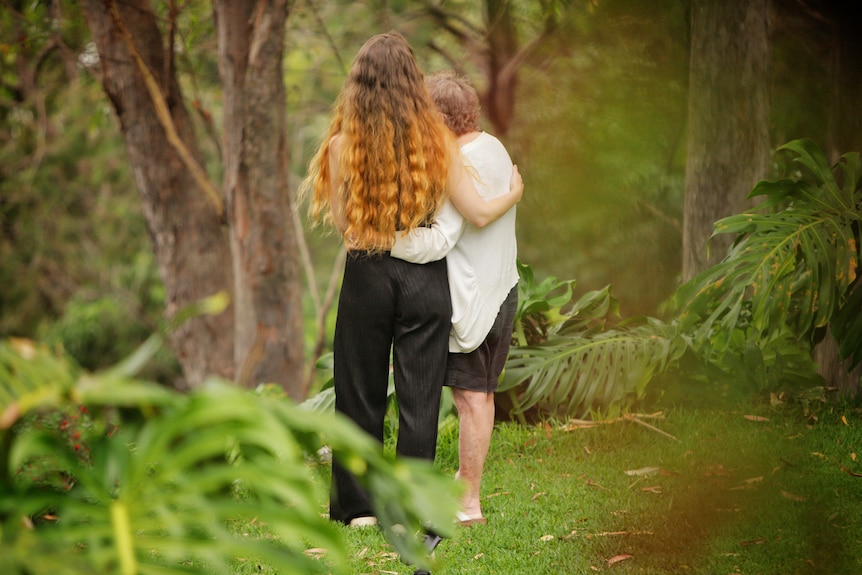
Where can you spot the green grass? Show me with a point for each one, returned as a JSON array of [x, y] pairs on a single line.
[[732, 494]]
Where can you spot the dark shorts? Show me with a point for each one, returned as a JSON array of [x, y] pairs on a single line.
[[480, 369]]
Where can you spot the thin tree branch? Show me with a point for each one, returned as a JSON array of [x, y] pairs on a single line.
[[454, 62], [672, 222], [320, 341], [321, 307], [204, 114], [326, 33], [633, 417], [173, 12], [448, 19], [66, 55], [164, 114]]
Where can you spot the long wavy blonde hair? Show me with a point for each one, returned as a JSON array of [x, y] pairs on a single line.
[[393, 151]]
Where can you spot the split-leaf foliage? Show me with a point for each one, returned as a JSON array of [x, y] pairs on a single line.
[[105, 473], [791, 273]]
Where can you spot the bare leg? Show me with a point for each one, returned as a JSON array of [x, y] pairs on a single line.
[[476, 413]]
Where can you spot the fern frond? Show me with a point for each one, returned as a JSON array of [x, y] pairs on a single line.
[[579, 372]]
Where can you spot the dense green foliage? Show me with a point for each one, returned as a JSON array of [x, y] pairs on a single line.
[[103, 472], [75, 262], [752, 319], [575, 356], [791, 272]]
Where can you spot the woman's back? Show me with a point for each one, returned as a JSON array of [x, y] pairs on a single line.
[[385, 159]]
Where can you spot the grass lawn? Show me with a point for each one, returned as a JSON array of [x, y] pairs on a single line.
[[740, 488]]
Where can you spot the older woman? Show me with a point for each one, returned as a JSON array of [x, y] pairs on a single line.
[[387, 165], [483, 280]]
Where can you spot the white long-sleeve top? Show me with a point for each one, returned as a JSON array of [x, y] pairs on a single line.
[[481, 262]]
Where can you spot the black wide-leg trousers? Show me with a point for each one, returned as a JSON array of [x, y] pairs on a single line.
[[389, 304]]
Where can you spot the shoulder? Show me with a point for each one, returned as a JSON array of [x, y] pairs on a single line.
[[493, 142], [488, 146], [335, 146], [335, 143], [484, 141]]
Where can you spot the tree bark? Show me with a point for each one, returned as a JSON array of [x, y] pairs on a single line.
[[845, 135], [728, 141], [498, 98], [267, 276], [185, 227]]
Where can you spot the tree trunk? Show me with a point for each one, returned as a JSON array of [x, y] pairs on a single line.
[[728, 141], [835, 370], [498, 98], [185, 226], [267, 276], [845, 135]]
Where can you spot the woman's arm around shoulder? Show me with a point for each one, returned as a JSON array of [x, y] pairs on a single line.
[[466, 198]]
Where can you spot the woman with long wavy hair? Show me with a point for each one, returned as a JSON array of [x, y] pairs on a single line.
[[386, 165]]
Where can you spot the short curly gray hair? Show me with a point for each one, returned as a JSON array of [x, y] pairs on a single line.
[[457, 100]]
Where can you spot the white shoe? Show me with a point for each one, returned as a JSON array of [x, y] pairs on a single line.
[[366, 521]]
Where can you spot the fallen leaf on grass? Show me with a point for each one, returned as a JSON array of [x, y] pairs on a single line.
[[756, 418], [652, 489], [316, 552], [478, 556], [748, 484], [749, 542], [643, 471], [618, 558], [616, 533], [592, 483], [546, 537], [728, 509], [537, 495], [792, 496], [716, 469], [496, 494], [580, 424], [844, 469]]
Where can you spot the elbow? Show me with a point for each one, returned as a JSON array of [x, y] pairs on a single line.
[[481, 221]]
